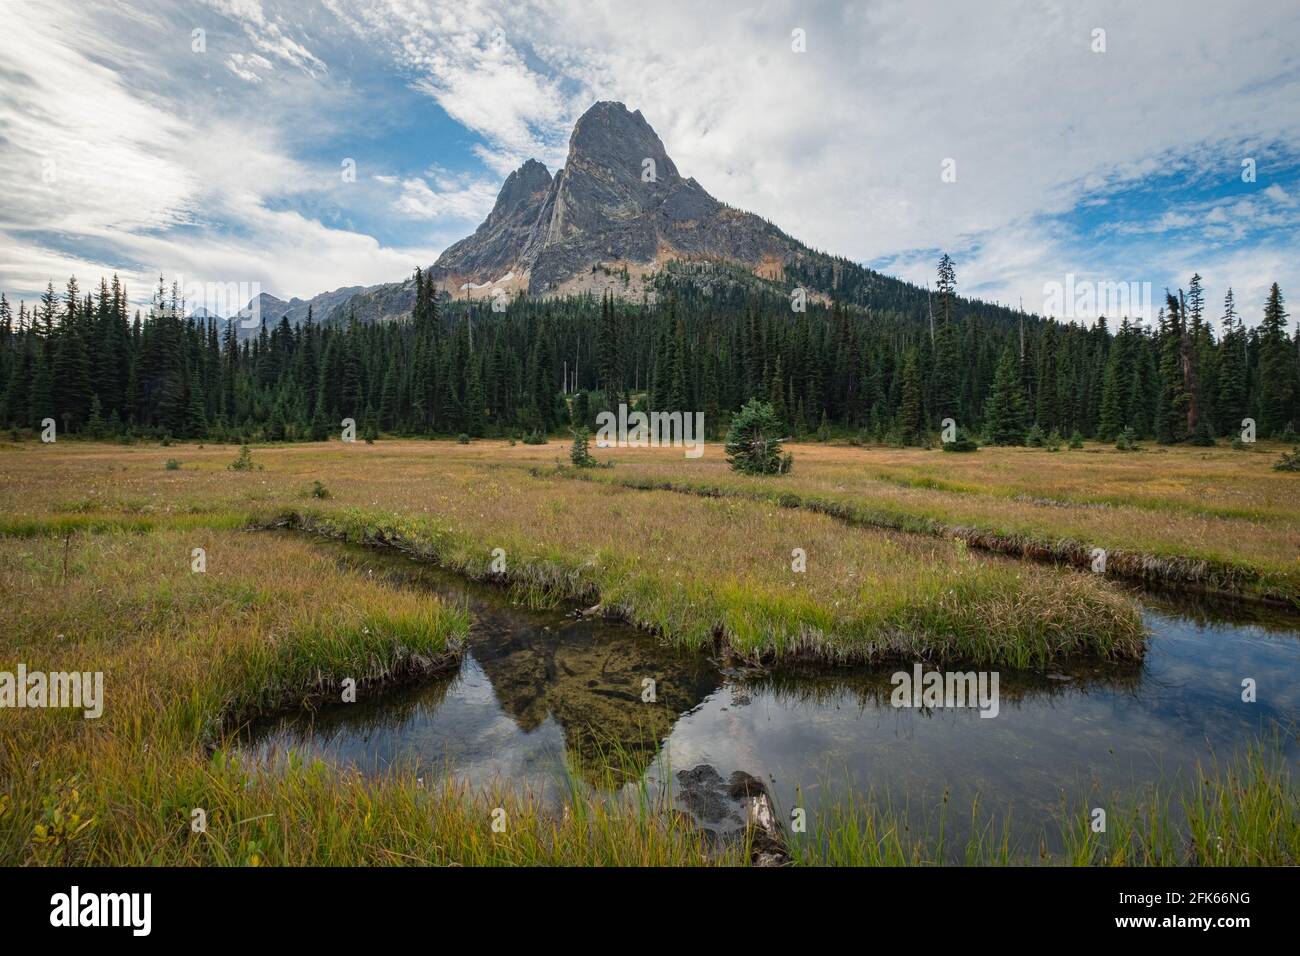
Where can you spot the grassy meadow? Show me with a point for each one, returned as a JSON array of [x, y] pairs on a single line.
[[96, 549], [697, 572], [1211, 519]]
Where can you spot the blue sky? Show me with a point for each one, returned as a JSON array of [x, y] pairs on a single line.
[[130, 146]]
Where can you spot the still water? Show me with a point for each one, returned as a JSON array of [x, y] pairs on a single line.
[[542, 691]]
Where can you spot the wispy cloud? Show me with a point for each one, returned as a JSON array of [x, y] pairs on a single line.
[[271, 35], [465, 57], [457, 196], [101, 177]]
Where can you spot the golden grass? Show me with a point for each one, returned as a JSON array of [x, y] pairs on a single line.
[[1196, 517], [695, 571]]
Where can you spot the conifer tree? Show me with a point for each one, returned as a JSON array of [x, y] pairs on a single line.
[[712, 351], [1231, 405], [911, 421], [1277, 370], [1047, 414], [474, 420], [1111, 419], [196, 417], [608, 351], [1171, 424], [1005, 412], [753, 442], [777, 402], [946, 383], [678, 399]]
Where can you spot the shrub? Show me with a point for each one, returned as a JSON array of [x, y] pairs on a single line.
[[1076, 440], [318, 490], [1053, 441], [535, 438], [824, 429], [172, 464], [245, 460], [462, 439], [962, 442], [1290, 460], [1204, 435], [1035, 437], [580, 452], [752, 446], [1127, 441]]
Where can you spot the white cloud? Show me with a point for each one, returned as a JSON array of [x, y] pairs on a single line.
[[463, 56], [245, 67], [1279, 195], [457, 197], [141, 185], [268, 35]]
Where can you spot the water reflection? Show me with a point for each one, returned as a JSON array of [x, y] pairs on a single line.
[[542, 691]]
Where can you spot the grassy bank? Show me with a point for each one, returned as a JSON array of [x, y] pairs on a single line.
[[185, 657], [1210, 519], [1216, 521], [1202, 575], [96, 548], [940, 605], [702, 573]]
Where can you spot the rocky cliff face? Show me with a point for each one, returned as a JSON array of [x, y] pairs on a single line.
[[500, 242], [619, 200]]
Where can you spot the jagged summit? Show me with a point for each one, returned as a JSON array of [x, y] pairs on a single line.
[[520, 188], [499, 243], [610, 136]]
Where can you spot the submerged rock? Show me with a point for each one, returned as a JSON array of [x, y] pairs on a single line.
[[729, 811], [706, 797]]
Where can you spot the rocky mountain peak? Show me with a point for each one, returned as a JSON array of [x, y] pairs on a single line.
[[526, 185], [610, 136], [619, 202]]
